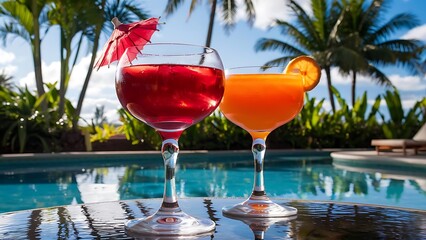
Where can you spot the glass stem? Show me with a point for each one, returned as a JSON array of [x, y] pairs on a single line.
[[258, 149], [170, 151]]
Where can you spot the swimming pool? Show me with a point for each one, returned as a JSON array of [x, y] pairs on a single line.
[[44, 182]]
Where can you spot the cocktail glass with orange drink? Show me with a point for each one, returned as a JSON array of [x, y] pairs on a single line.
[[259, 100]]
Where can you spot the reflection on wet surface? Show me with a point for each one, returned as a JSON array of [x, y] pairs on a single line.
[[315, 220]]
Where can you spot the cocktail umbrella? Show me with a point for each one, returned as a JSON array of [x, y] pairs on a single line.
[[124, 36]]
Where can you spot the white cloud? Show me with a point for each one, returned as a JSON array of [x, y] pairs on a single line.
[[418, 33], [110, 104], [101, 89], [100, 92], [6, 57], [409, 103], [28, 81], [9, 70], [268, 11], [408, 83], [404, 83], [50, 75], [336, 78]]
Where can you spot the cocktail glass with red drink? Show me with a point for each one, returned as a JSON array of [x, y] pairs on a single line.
[[170, 87]]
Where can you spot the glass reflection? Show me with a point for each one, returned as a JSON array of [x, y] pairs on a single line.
[[259, 226]]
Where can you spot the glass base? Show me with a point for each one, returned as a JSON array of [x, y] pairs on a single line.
[[259, 207], [169, 224]]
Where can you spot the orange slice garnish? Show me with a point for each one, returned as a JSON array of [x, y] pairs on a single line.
[[308, 68]]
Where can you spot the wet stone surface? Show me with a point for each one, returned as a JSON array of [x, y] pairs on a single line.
[[315, 220]]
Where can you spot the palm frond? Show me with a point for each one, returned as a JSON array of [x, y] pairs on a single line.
[[43, 17], [399, 52], [171, 6], [6, 80], [250, 11], [319, 13], [295, 33], [192, 6], [282, 61], [403, 45], [348, 59], [415, 67], [13, 30], [267, 44], [333, 37], [421, 67], [305, 21], [126, 10], [379, 55], [378, 76], [398, 22], [371, 15], [20, 13], [229, 10]]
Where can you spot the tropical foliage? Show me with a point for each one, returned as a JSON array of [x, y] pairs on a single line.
[[24, 127], [398, 118], [80, 22], [314, 127], [137, 132], [6, 80]]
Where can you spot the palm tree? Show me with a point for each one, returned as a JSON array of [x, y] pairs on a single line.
[[314, 35], [5, 80], [85, 20], [229, 10], [368, 43], [126, 11], [26, 19], [99, 118], [73, 18]]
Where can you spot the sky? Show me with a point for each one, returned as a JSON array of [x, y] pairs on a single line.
[[235, 48]]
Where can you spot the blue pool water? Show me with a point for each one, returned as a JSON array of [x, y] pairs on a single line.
[[35, 183]]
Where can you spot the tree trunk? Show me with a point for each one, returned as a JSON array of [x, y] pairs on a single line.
[[36, 45], [62, 74], [211, 23], [330, 92], [353, 87], [82, 95], [65, 46], [87, 79]]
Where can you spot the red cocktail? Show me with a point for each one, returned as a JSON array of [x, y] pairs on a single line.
[[170, 97]]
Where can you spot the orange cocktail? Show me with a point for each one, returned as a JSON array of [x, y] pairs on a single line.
[[260, 103], [259, 100]]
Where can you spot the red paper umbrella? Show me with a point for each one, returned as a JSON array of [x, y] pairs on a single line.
[[124, 36]]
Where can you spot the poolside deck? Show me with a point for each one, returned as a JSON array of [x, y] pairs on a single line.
[[370, 158], [347, 157]]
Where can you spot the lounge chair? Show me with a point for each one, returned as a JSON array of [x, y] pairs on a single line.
[[416, 143]]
